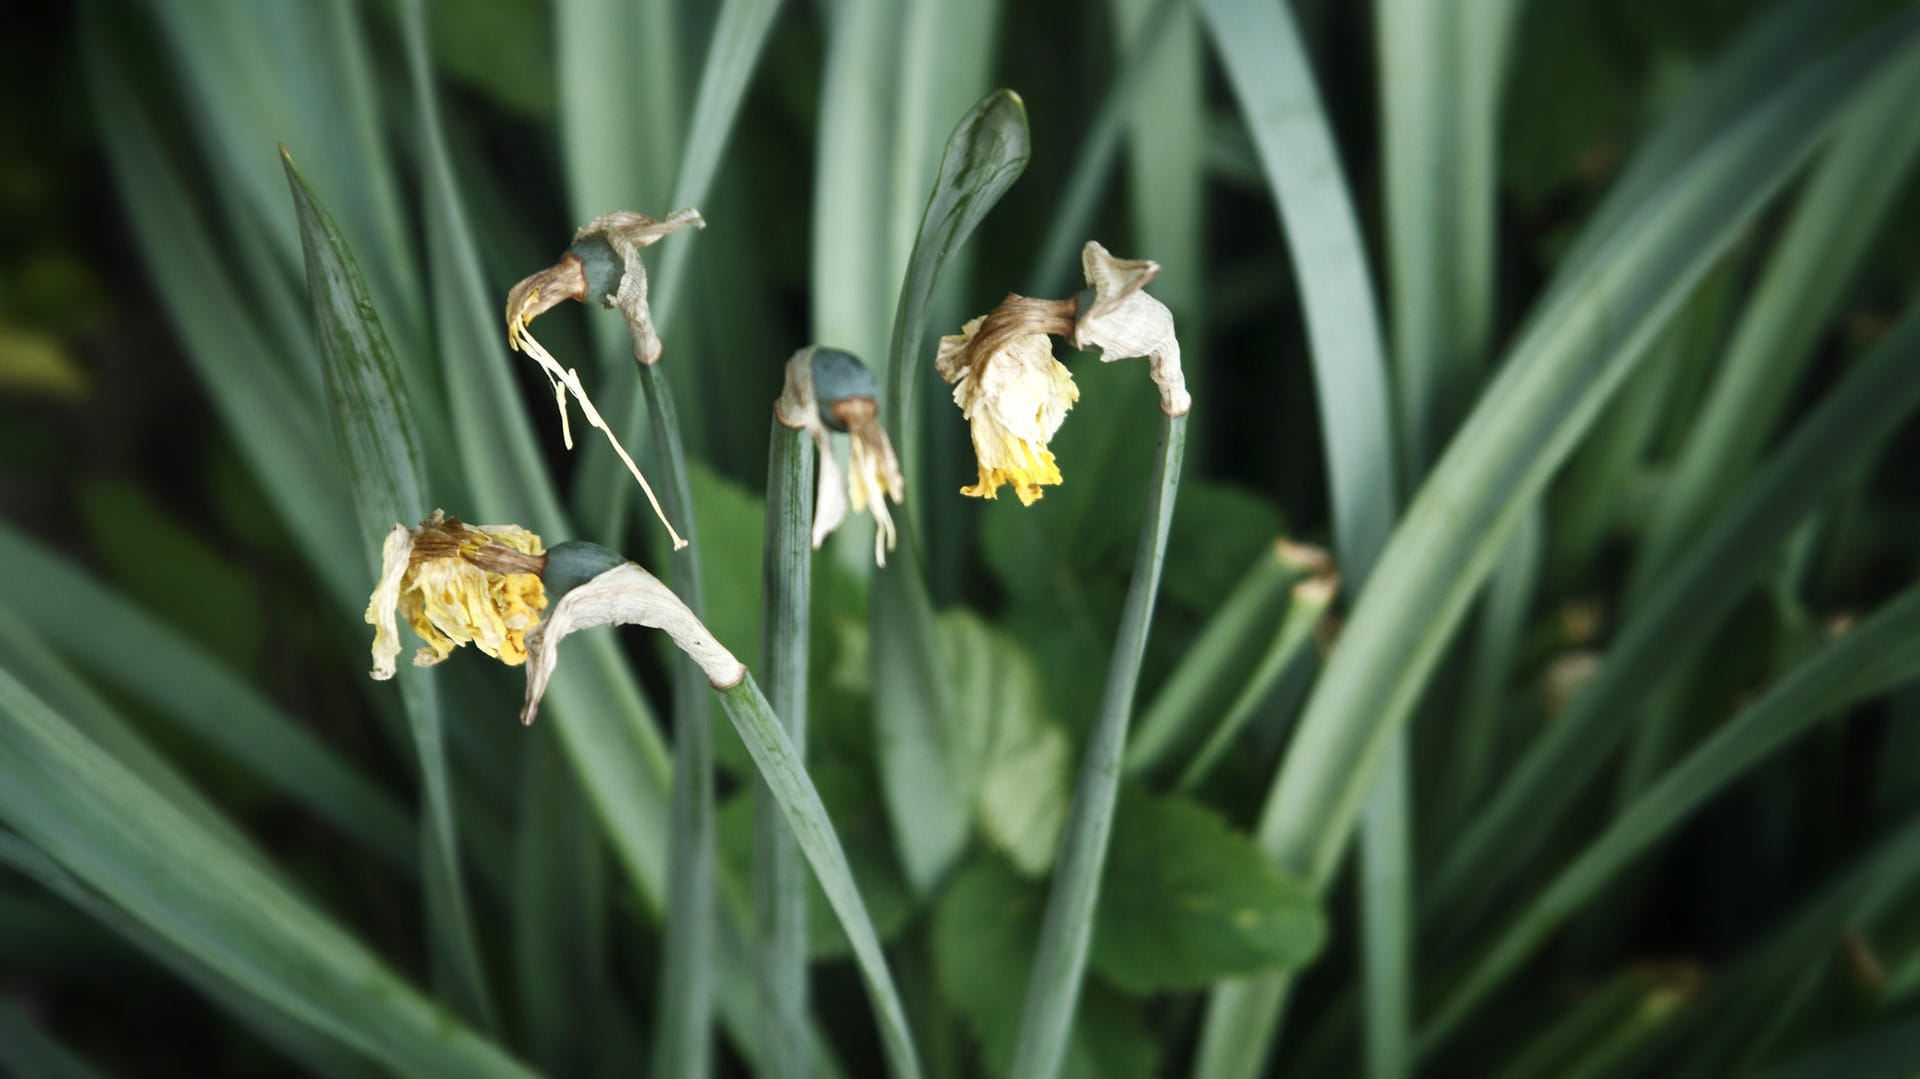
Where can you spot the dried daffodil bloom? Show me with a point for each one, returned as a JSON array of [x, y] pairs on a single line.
[[831, 390], [1123, 322], [1007, 383], [623, 595], [455, 584], [604, 261]]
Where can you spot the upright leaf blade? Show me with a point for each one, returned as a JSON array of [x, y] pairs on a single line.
[[986, 153], [374, 427], [71, 800], [1575, 353]]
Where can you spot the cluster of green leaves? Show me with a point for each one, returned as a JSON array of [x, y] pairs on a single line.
[[1627, 343]]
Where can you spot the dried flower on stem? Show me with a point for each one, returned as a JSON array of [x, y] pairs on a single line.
[[605, 262], [1123, 321], [1013, 391], [831, 390], [455, 584]]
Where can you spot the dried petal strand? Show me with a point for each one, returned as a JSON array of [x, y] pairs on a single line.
[[625, 596], [394, 556]]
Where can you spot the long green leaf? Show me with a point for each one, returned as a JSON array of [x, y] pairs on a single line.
[[148, 660], [780, 769], [29, 1052], [1684, 602], [271, 419], [1834, 227], [116, 834], [373, 425], [1440, 73], [1878, 652], [1268, 68], [733, 54], [986, 152], [1574, 354]]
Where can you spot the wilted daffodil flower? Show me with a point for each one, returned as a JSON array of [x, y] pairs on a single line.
[[1123, 322], [455, 584], [603, 262], [828, 389], [1007, 383]]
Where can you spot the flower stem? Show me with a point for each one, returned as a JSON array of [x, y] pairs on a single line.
[[685, 1039], [1060, 964], [779, 879]]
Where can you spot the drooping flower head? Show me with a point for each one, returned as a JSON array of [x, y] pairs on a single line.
[[828, 389], [1014, 392], [456, 584], [604, 261]]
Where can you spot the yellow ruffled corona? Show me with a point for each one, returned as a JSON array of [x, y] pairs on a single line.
[[457, 584], [1013, 392]]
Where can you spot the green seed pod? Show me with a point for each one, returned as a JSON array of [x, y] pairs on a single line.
[[604, 268], [838, 375], [574, 563]]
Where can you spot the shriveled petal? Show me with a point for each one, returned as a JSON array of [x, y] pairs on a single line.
[[629, 228], [625, 595], [798, 409], [383, 605], [1124, 321], [875, 476]]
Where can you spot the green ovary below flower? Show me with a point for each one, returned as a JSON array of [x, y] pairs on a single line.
[[456, 584], [1012, 390]]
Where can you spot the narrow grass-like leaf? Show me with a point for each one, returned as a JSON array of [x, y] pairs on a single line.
[[605, 724], [684, 1045], [146, 659], [1272, 78], [733, 54], [34, 665], [1059, 964], [1386, 917], [271, 419], [779, 887], [560, 949], [1071, 218], [986, 153], [1574, 354], [1695, 590], [373, 426], [1289, 645], [1834, 227], [851, 179], [1866, 659], [29, 1052], [310, 84], [1440, 72], [168, 874], [1592, 1036], [786, 777], [312, 1048], [1496, 645], [1219, 659]]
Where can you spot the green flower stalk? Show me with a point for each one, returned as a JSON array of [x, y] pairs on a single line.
[[1123, 321]]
